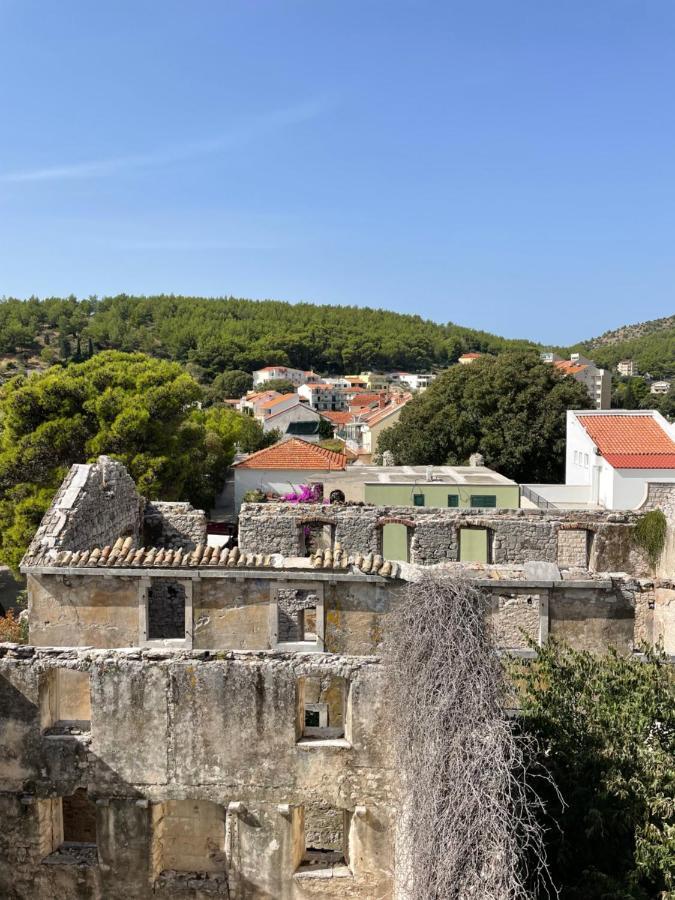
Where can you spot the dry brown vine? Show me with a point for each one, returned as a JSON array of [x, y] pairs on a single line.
[[468, 825]]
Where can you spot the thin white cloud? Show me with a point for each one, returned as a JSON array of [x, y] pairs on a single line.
[[242, 133]]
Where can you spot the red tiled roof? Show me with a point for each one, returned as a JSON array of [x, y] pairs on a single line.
[[258, 394], [470, 355], [273, 402], [337, 417], [376, 415], [365, 399], [294, 454], [631, 442], [569, 368]]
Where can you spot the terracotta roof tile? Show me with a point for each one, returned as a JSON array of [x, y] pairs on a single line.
[[365, 400], [631, 442], [569, 368], [294, 454], [337, 417], [275, 400]]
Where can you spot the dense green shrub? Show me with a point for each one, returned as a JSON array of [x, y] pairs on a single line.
[[606, 728], [650, 534]]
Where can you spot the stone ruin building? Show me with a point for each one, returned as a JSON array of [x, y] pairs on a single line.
[[196, 722]]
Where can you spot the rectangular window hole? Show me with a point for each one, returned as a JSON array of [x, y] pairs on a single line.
[[166, 610], [65, 703], [67, 829], [326, 838], [188, 836], [323, 706], [296, 616]]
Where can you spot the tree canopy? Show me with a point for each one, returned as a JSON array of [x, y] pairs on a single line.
[[229, 386], [511, 408], [142, 411], [219, 334], [606, 729]]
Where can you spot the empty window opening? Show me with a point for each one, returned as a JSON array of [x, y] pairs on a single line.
[[396, 541], [316, 536], [79, 818], [326, 834], [418, 499], [166, 610], [65, 704], [297, 616], [188, 836], [67, 828], [322, 703]]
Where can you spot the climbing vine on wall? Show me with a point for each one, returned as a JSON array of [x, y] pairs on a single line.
[[650, 534], [468, 819]]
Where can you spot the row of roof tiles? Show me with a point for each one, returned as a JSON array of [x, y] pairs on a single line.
[[124, 555], [631, 441]]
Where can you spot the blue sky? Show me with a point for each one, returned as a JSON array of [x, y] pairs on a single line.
[[504, 165]]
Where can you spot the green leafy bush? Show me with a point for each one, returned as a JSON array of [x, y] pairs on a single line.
[[650, 534], [606, 728], [254, 496]]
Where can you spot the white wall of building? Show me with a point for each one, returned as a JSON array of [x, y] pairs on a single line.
[[277, 481], [609, 487]]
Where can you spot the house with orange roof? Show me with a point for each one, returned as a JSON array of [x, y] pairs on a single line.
[[370, 420], [287, 373], [467, 358], [598, 382], [284, 467], [616, 453], [279, 411]]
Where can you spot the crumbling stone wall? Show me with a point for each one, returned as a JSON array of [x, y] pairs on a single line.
[[516, 536], [173, 526], [192, 726], [96, 504]]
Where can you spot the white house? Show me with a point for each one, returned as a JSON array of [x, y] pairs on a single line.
[[284, 467], [279, 412], [659, 387], [295, 376], [598, 382], [627, 368], [614, 454], [325, 396], [417, 381]]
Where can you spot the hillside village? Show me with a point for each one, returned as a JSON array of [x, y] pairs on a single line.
[[196, 702]]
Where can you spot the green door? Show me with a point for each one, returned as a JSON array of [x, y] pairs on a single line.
[[473, 545], [395, 542]]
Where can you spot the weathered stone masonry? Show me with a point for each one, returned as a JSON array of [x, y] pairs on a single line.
[[516, 536], [244, 751]]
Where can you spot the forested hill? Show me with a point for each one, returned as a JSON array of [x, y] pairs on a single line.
[[213, 335], [650, 344]]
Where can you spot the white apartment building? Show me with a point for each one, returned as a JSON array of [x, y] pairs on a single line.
[[416, 381], [659, 387], [627, 368], [598, 382], [325, 397], [295, 376]]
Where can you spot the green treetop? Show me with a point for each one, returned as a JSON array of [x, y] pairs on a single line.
[[141, 411], [511, 408]]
